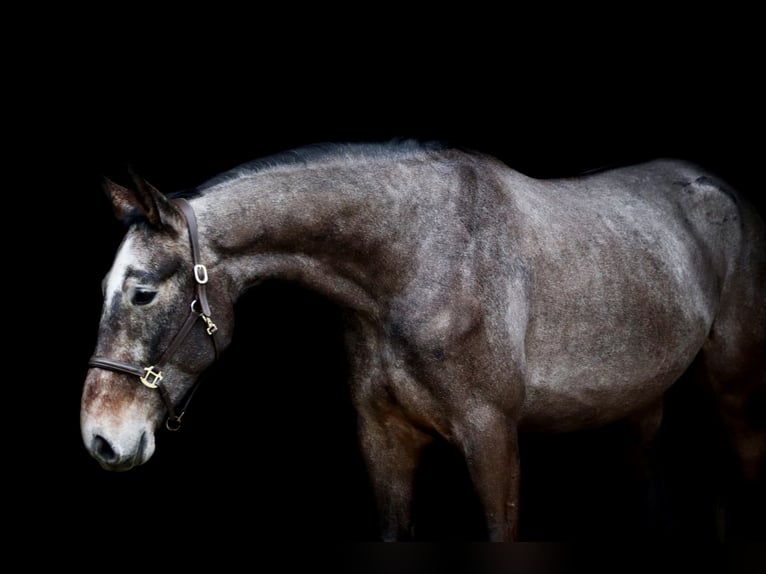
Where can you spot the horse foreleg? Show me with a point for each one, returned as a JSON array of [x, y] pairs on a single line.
[[490, 445], [392, 448]]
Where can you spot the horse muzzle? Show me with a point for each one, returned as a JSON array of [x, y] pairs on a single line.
[[119, 451], [118, 420]]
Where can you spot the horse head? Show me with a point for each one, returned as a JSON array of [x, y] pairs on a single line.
[[158, 331]]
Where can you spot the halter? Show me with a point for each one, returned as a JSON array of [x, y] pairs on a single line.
[[152, 376]]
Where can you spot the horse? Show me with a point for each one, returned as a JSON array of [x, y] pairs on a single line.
[[478, 303]]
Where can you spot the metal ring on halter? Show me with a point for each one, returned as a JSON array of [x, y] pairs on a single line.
[[174, 423], [200, 273]]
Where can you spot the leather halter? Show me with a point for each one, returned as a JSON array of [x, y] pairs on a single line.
[[152, 376]]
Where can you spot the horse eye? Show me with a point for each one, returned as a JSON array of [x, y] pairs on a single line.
[[143, 296]]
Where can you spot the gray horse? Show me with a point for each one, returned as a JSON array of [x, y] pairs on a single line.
[[478, 303]]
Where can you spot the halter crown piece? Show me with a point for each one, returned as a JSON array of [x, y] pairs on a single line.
[[199, 308]]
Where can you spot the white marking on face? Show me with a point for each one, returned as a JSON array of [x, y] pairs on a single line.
[[116, 276]]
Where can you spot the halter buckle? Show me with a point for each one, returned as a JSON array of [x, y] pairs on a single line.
[[156, 377], [200, 273]]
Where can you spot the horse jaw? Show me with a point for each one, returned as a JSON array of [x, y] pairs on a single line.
[[117, 432]]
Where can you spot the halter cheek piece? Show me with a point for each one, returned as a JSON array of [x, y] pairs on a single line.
[[152, 376]]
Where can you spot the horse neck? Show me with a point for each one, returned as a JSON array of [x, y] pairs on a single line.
[[333, 236]]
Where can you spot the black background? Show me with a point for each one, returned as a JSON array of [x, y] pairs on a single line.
[[268, 445]]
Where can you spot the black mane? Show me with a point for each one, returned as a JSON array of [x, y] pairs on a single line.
[[314, 153]]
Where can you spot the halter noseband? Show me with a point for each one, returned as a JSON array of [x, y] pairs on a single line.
[[151, 376]]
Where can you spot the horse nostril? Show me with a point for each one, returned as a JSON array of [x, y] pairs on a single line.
[[141, 447], [103, 450]]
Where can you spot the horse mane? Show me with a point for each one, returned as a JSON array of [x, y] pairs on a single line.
[[317, 153]]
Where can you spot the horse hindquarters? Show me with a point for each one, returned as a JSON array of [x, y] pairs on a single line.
[[733, 358]]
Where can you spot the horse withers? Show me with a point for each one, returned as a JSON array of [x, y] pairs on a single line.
[[478, 303]]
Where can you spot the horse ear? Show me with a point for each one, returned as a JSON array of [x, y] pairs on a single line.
[[145, 199]]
